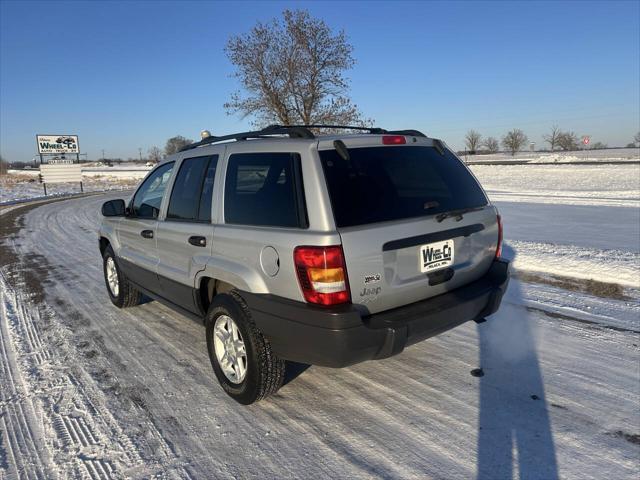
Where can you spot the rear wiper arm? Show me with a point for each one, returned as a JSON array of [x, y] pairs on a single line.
[[456, 213]]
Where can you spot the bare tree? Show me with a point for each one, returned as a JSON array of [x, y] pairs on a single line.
[[292, 71], [567, 141], [155, 154], [174, 144], [636, 138], [472, 141], [4, 166], [552, 137], [514, 140], [491, 144]]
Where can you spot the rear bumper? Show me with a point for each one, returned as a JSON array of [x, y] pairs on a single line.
[[342, 336]]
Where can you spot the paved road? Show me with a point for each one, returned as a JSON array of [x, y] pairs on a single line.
[[599, 227], [90, 390]]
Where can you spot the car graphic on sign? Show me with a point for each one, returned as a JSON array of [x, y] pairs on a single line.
[[66, 140]]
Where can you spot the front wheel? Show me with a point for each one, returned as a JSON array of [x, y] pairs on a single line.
[[242, 359], [121, 292]]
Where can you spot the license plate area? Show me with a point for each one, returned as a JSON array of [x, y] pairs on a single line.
[[436, 256]]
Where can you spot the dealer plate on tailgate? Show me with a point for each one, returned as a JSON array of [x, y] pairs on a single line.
[[436, 256]]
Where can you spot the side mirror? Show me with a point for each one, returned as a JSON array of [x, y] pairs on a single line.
[[113, 208]]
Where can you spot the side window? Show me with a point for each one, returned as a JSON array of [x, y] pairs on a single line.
[[193, 189], [265, 189], [147, 200]]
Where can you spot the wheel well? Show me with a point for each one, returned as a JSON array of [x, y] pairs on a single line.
[[104, 243], [209, 288]]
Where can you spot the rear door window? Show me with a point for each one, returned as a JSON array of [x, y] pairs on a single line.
[[391, 183], [193, 189], [265, 189]]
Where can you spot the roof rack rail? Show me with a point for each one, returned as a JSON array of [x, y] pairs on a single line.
[[372, 130], [295, 131]]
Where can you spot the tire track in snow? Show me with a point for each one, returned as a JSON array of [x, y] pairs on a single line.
[[88, 441], [83, 430], [23, 448]]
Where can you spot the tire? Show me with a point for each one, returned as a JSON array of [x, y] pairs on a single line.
[[126, 295], [264, 371]]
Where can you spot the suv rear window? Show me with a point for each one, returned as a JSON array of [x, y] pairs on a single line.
[[264, 189], [391, 183]]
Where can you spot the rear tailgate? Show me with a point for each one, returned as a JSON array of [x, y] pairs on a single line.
[[393, 209], [385, 266]]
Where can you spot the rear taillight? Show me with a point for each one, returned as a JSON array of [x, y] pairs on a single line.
[[322, 274], [394, 140], [499, 247]]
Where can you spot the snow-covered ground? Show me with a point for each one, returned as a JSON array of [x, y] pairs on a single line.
[[87, 390], [125, 170], [121, 171], [606, 155], [614, 185], [20, 186]]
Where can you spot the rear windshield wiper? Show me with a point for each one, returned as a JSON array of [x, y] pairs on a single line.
[[456, 213]]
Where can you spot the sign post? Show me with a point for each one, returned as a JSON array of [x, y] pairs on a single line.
[[585, 141]]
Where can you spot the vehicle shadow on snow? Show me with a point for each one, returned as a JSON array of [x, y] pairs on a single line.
[[514, 424], [293, 370]]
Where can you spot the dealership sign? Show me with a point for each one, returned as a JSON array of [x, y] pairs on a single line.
[[57, 144]]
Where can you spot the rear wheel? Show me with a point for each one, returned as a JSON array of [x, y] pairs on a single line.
[[121, 292], [242, 359]]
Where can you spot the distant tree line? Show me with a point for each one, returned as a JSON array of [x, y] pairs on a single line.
[[515, 141]]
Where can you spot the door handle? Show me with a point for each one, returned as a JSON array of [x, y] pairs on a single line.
[[198, 241], [147, 233]]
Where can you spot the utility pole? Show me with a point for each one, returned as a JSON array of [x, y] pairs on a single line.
[[140, 152], [103, 154]]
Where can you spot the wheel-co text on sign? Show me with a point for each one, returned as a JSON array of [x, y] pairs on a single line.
[[57, 144]]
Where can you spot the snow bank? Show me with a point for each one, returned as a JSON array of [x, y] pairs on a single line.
[[607, 155], [610, 266], [557, 157]]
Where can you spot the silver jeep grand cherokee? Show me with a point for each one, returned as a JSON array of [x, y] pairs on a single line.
[[324, 250]]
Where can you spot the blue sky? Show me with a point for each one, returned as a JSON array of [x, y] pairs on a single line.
[[124, 75]]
